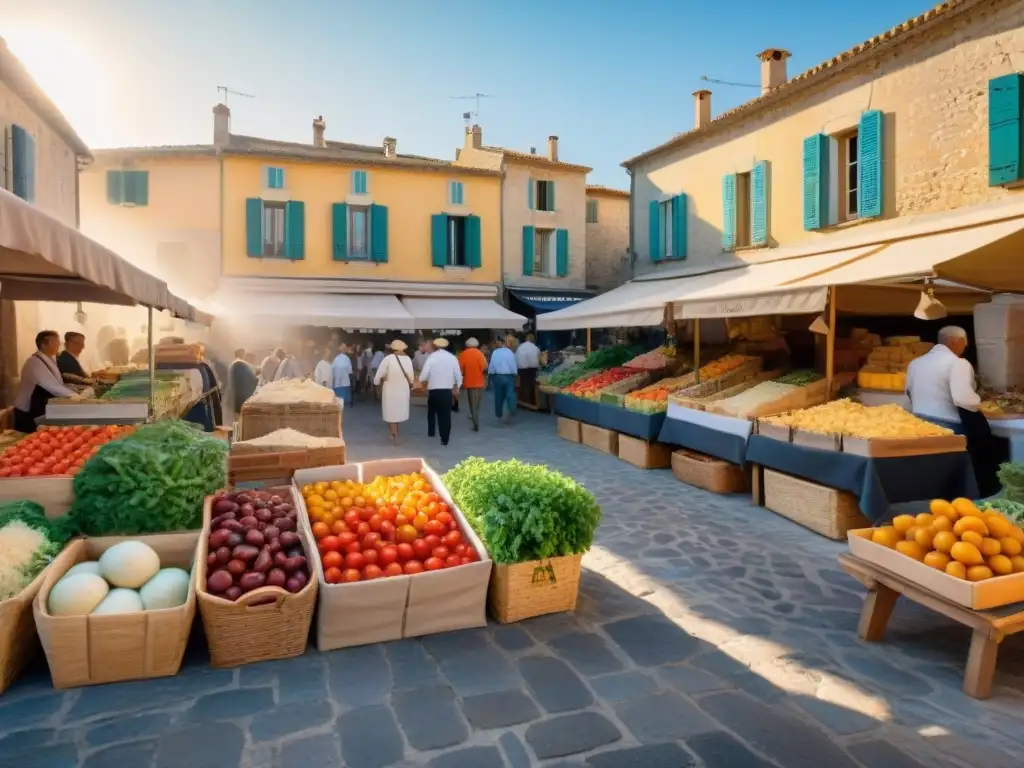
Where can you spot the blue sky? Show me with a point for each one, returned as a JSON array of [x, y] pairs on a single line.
[[609, 78]]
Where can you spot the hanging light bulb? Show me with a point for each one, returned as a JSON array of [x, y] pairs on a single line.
[[80, 316], [928, 307]]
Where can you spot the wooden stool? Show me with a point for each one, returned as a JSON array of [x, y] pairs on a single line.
[[989, 626]]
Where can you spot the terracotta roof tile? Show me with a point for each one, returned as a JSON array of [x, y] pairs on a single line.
[[529, 157], [597, 189]]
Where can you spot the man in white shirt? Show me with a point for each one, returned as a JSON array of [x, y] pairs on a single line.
[[528, 361], [341, 371], [40, 381], [941, 381], [323, 374], [290, 368], [502, 370], [270, 364], [443, 377]]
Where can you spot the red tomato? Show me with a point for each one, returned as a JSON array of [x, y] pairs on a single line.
[[433, 527], [372, 572], [355, 546], [387, 514], [452, 538], [421, 548], [433, 541], [320, 530], [344, 539], [352, 519], [350, 575], [338, 527], [332, 560], [471, 555], [413, 566], [388, 555], [330, 544], [375, 522], [366, 513], [355, 561], [405, 552], [5, 472], [406, 533], [444, 517], [60, 469], [73, 471], [387, 530], [452, 560], [362, 529], [370, 539], [420, 521], [460, 549], [433, 564], [393, 569], [332, 576], [35, 471], [401, 520], [371, 556], [441, 552]]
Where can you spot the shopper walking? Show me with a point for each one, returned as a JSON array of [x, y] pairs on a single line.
[[322, 373], [528, 361], [442, 377], [341, 376], [473, 365], [502, 370], [375, 361], [395, 378]]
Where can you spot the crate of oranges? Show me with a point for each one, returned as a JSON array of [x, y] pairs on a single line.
[[970, 556], [396, 558]]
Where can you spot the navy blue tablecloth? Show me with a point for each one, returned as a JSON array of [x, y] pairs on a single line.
[[876, 483], [577, 408], [722, 445], [646, 426]]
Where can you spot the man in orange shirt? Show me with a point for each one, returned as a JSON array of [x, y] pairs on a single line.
[[474, 366]]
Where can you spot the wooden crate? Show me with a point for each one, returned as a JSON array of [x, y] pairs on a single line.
[[707, 472], [644, 454], [280, 465], [54, 494], [569, 429], [604, 440], [317, 420], [524, 590], [827, 511]]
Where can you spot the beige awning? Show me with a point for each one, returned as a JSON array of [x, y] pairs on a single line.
[[460, 314], [332, 310]]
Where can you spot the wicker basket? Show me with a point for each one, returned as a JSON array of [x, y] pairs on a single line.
[[524, 590], [247, 467], [824, 510], [17, 632], [267, 623], [707, 472], [317, 420]]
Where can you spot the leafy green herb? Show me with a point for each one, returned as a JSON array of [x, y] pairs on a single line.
[[524, 512], [58, 530], [151, 481], [1014, 510], [1011, 475], [597, 360]]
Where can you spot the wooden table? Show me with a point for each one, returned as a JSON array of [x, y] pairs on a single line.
[[989, 627]]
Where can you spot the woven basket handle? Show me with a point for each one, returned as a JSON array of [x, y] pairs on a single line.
[[277, 593]]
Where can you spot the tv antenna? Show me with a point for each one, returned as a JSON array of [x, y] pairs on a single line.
[[707, 79], [475, 98], [225, 90]]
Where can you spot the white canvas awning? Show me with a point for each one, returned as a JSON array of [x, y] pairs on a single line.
[[460, 313], [336, 310]]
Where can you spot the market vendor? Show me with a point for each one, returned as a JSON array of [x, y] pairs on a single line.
[[242, 380], [941, 388], [40, 381], [71, 369]]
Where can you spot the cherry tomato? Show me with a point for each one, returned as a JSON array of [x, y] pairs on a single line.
[[471, 555], [346, 538], [355, 560], [388, 514], [5, 472], [349, 575], [372, 572], [332, 576], [393, 569], [371, 556], [444, 517], [441, 552], [435, 528], [433, 541], [406, 533], [387, 530], [320, 530], [339, 527], [405, 552], [402, 519], [421, 548], [330, 544], [352, 519], [452, 538], [420, 521], [433, 564], [452, 560], [413, 566], [374, 522], [370, 539], [362, 529], [460, 549], [388, 554], [332, 560], [355, 546]]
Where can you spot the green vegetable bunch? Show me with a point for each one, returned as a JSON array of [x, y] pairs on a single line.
[[151, 481], [524, 512], [25, 570], [1011, 475], [1014, 510], [57, 530]]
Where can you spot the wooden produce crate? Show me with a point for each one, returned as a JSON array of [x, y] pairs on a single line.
[[774, 431], [569, 429], [708, 472], [525, 590], [644, 454], [18, 631], [88, 650], [614, 394], [802, 397], [817, 440], [904, 447], [827, 511], [280, 465], [318, 420], [54, 494], [705, 389], [599, 438]]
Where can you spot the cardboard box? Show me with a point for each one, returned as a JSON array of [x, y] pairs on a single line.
[[774, 432], [54, 494], [979, 595], [815, 440], [604, 440], [643, 454], [918, 446], [399, 606], [568, 429]]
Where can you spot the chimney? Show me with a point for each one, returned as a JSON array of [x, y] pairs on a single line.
[[319, 126], [533, 150], [474, 137], [553, 148], [221, 125], [773, 68], [390, 147], [701, 108]]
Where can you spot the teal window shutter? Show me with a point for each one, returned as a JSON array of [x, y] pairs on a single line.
[[455, 192], [551, 195], [339, 231], [759, 204], [529, 193], [528, 248], [254, 226], [115, 187], [816, 182], [294, 229], [562, 252], [654, 229], [439, 239], [1005, 132], [275, 178], [23, 153], [728, 211], [137, 187], [474, 254], [379, 233], [870, 164], [679, 218], [359, 182]]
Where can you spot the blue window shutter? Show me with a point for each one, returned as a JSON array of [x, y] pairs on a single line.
[[274, 178], [339, 227], [20, 155], [870, 164], [115, 187], [759, 204], [439, 239], [562, 252], [529, 194], [679, 218], [528, 248], [268, 177], [654, 229], [358, 182], [816, 182], [30, 162], [459, 187], [729, 211], [254, 226], [379, 233], [1005, 132], [474, 255], [139, 187], [294, 229], [551, 195]]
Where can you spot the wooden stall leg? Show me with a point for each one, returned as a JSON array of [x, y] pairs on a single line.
[[757, 484], [981, 664], [874, 616]]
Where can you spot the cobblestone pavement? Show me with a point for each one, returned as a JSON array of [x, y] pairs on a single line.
[[708, 633]]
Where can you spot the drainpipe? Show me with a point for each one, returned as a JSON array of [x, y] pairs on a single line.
[[501, 233], [632, 202]]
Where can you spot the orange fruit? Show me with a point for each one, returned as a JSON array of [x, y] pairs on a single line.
[[979, 573], [924, 536], [989, 547], [944, 541], [973, 538], [1000, 564], [320, 530], [998, 525], [886, 536], [912, 549], [975, 524], [1009, 546], [941, 523], [937, 560], [1018, 563], [911, 534], [923, 519], [958, 570], [965, 507], [966, 553], [943, 508], [1016, 533], [902, 523]]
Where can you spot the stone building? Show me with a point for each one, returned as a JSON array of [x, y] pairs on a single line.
[[607, 238]]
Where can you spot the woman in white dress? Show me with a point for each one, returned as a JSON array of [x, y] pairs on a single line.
[[395, 373]]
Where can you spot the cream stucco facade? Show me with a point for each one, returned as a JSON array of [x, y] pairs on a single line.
[[929, 78], [607, 238]]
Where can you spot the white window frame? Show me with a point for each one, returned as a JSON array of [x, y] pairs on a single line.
[[273, 229], [592, 215], [353, 212], [851, 167], [667, 228]]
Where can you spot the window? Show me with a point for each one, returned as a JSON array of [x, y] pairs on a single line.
[[457, 241], [273, 228], [844, 174], [543, 258], [742, 210], [666, 229], [359, 232], [275, 178], [591, 211], [23, 163], [455, 195], [542, 195], [849, 156], [128, 188], [359, 186]]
